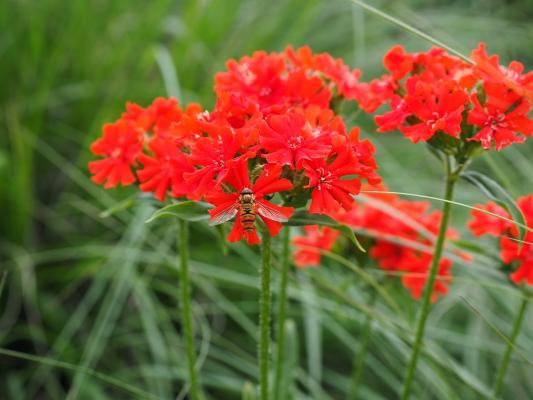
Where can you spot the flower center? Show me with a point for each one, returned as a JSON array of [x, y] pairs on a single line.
[[116, 153], [325, 176], [295, 142], [497, 121], [435, 119]]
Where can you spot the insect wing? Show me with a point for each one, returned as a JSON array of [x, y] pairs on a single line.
[[270, 212], [224, 215]]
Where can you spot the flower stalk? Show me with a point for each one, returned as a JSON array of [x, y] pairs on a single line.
[[451, 179], [264, 317], [502, 371], [282, 306], [186, 317]]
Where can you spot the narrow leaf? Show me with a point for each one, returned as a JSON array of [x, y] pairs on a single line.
[[221, 238], [303, 218], [248, 391], [3, 282], [456, 203], [121, 206], [187, 210], [410, 28], [291, 363]]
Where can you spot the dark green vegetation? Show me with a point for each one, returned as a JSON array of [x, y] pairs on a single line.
[[85, 293]]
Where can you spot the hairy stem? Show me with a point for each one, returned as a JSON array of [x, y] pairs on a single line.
[[498, 387], [282, 305], [363, 348], [186, 318], [451, 179], [264, 317]]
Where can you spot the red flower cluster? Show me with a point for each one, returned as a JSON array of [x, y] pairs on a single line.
[[518, 255], [271, 131], [400, 229], [434, 92]]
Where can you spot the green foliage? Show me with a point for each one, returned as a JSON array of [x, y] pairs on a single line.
[[91, 305], [303, 218], [192, 211]]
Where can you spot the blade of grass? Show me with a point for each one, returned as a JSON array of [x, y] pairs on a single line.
[[410, 28], [80, 370], [456, 203]]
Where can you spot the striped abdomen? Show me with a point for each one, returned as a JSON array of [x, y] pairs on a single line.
[[247, 210]]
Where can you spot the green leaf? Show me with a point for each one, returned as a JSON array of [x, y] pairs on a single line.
[[494, 191], [248, 391], [127, 203], [120, 206], [303, 218], [471, 247], [221, 238], [291, 363], [192, 211], [2, 281]]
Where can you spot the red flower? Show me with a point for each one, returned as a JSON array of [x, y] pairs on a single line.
[[402, 232], [363, 152], [156, 118], [164, 170], [440, 111], [500, 117], [512, 76], [370, 96], [486, 224], [517, 255], [439, 89], [120, 144], [324, 64], [258, 76], [164, 113], [228, 205], [395, 118], [212, 154], [330, 191], [398, 62], [287, 140], [309, 246]]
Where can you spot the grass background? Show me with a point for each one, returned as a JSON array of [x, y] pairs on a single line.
[[85, 293]]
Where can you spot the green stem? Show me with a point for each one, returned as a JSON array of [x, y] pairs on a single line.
[[451, 179], [498, 387], [264, 317], [361, 354], [282, 305], [186, 318]]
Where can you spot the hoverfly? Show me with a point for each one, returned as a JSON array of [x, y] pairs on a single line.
[[247, 206]]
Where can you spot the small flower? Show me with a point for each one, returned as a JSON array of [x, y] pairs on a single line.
[[120, 146], [486, 224], [513, 253], [212, 155], [287, 140], [440, 110], [398, 62], [512, 76], [330, 192], [164, 169], [309, 246], [502, 115]]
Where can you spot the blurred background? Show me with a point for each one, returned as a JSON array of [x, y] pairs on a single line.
[[85, 292]]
